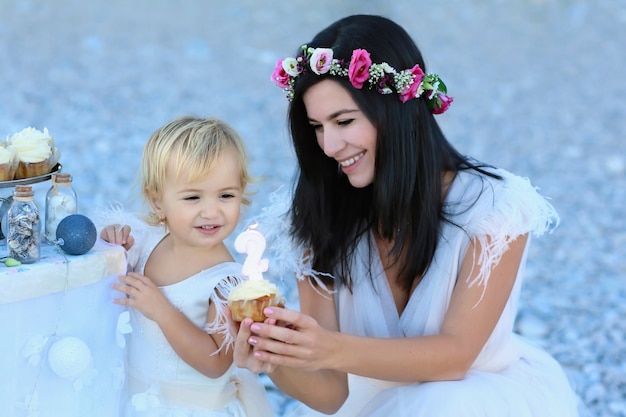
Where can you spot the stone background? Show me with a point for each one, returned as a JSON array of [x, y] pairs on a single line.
[[538, 85]]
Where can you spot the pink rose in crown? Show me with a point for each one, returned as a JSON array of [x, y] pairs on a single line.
[[358, 71], [320, 60], [280, 76], [415, 89], [442, 103]]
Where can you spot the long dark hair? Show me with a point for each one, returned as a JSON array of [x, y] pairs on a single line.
[[404, 202]]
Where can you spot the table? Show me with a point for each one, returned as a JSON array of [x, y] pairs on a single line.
[[60, 354]]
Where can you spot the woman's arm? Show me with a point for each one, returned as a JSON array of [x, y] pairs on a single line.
[[321, 386], [318, 386], [470, 319], [191, 343]]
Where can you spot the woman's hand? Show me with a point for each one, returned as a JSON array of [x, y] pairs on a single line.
[[302, 343], [142, 294], [290, 346], [116, 234], [244, 355]]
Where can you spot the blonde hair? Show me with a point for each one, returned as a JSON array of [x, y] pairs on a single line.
[[195, 145]]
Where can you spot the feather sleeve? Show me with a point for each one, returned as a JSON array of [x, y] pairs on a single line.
[[286, 256], [219, 298], [143, 233], [515, 208]]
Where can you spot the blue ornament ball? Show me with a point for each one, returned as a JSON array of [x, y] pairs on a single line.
[[76, 234]]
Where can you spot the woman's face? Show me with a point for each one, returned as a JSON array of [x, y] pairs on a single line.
[[342, 130]]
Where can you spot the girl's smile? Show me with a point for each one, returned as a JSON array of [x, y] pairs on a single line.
[[209, 229]]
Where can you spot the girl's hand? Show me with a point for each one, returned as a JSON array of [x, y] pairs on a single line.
[[244, 354], [142, 294], [117, 234], [302, 344]]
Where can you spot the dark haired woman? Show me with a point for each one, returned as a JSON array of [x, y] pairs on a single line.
[[413, 253]]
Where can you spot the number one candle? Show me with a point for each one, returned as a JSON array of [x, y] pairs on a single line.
[[252, 243]]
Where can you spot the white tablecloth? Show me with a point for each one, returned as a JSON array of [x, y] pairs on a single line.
[[59, 355]]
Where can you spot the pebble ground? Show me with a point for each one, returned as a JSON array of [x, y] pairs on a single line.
[[539, 90]]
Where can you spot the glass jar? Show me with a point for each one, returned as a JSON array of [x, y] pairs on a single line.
[[23, 243], [60, 203]]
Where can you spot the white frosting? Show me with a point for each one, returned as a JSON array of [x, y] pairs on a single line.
[[6, 155], [251, 289], [32, 145]]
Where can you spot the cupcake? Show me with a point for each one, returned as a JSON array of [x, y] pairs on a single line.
[[36, 152], [251, 297], [8, 163]]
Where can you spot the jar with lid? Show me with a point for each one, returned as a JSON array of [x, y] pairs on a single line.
[[60, 202], [23, 243]]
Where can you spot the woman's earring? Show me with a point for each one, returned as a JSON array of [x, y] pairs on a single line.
[[161, 220]]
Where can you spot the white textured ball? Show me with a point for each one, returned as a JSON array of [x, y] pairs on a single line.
[[69, 357]]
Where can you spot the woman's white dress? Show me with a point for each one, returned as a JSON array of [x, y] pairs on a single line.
[[510, 377], [158, 382]]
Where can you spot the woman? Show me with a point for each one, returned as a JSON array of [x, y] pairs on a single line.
[[413, 253]]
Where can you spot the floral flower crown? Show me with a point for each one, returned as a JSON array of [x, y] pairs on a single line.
[[408, 83]]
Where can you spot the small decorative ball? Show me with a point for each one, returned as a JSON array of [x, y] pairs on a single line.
[[76, 234], [69, 357]]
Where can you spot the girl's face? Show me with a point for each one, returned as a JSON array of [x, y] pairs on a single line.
[[203, 212], [342, 130]]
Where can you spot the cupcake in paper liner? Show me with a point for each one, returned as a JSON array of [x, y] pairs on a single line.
[[251, 297], [8, 163], [36, 152]]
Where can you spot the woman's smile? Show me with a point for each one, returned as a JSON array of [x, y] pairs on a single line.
[[348, 162]]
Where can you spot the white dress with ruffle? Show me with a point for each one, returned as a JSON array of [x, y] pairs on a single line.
[[159, 383], [510, 377]]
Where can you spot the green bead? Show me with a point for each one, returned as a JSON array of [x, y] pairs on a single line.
[[12, 262]]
